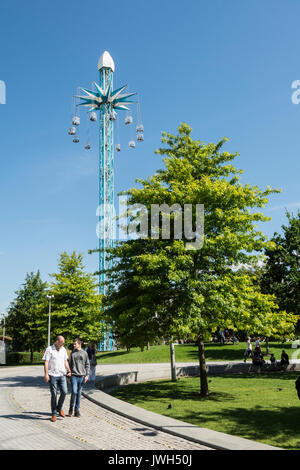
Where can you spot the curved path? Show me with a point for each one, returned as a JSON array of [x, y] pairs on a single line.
[[25, 421]]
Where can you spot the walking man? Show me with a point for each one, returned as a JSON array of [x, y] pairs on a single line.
[[80, 369], [248, 351], [56, 367]]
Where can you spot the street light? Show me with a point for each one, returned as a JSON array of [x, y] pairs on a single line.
[[3, 326], [4, 351], [49, 297]]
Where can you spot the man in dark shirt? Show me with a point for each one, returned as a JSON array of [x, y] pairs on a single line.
[[80, 369]]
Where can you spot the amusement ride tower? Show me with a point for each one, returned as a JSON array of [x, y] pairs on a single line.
[[105, 101]]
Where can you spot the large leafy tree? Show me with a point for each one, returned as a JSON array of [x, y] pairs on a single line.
[[157, 281], [27, 315], [282, 268], [130, 308], [76, 307]]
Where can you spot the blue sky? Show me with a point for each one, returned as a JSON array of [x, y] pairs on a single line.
[[224, 67]]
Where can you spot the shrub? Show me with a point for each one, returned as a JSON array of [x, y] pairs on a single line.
[[22, 358]]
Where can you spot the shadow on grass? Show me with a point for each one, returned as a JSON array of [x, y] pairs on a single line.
[[139, 393], [111, 354], [167, 390], [279, 375], [280, 425], [217, 352], [277, 425]]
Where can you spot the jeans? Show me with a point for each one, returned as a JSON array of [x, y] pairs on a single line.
[[92, 375], [76, 389], [55, 384]]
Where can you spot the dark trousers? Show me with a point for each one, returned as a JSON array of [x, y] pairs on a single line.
[[58, 384], [248, 353]]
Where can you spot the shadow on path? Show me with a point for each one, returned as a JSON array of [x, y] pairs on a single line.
[[28, 415], [23, 381]]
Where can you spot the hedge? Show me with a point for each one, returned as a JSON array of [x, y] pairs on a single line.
[[23, 358]]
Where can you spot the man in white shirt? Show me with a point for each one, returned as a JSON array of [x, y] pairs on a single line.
[[56, 367]]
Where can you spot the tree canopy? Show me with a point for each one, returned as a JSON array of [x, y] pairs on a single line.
[[76, 305], [282, 268], [27, 315], [170, 286]]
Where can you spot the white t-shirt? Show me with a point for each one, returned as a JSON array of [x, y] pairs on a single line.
[[56, 358]]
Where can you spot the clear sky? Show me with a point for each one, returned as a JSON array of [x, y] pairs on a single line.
[[223, 66]]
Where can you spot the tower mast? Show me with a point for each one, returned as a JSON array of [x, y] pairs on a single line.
[[106, 168], [106, 101]]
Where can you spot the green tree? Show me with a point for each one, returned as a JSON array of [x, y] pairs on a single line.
[[282, 268], [195, 290], [27, 315], [76, 307], [134, 321]]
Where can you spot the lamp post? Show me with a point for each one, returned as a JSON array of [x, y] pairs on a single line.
[[49, 297], [3, 327], [4, 351]]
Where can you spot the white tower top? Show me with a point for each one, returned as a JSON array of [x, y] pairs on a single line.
[[106, 61]]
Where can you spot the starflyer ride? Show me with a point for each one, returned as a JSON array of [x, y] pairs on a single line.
[[104, 104]]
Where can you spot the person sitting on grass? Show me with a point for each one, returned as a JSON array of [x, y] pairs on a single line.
[[258, 359], [284, 359], [272, 359]]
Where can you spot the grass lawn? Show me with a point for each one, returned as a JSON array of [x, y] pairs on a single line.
[[260, 407], [185, 353]]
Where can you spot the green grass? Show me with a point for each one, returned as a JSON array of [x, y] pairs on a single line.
[[250, 406], [184, 353]]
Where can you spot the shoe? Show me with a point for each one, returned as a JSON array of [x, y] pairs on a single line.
[[70, 412], [77, 414], [61, 413], [53, 418]]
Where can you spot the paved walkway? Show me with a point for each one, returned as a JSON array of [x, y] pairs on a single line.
[[25, 417], [25, 421]]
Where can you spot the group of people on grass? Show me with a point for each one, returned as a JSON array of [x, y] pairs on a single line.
[[77, 370], [225, 336], [258, 357]]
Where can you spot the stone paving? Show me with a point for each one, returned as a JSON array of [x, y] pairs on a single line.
[[25, 421]]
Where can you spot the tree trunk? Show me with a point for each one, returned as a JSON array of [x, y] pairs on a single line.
[[202, 365], [31, 355], [148, 346], [173, 364], [267, 346]]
